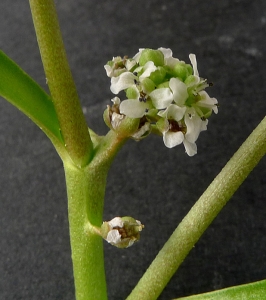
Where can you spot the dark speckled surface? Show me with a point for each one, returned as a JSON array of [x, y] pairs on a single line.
[[148, 181]]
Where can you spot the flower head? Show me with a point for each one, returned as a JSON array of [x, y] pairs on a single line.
[[162, 92]]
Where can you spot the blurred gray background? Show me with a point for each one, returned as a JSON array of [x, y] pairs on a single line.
[[148, 181]]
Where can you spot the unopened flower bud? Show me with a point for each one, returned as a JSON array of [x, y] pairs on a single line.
[[121, 232], [182, 70], [155, 56]]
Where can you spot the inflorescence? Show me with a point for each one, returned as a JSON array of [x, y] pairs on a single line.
[[164, 94]]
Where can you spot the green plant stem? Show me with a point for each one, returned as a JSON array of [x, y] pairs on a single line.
[[85, 196], [201, 215], [60, 81], [86, 189]]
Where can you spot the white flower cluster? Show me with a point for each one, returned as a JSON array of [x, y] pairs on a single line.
[[166, 94]]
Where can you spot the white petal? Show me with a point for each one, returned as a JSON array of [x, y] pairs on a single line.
[[130, 63], [113, 237], [116, 120], [207, 101], [167, 52], [179, 90], [145, 128], [116, 100], [122, 82], [191, 148], [175, 112], [148, 68], [172, 139], [137, 56], [108, 70], [193, 60], [204, 125], [133, 108], [161, 98], [130, 243], [117, 221], [171, 61], [194, 125]]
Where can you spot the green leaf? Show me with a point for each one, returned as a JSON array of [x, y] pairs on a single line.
[[22, 91], [250, 291]]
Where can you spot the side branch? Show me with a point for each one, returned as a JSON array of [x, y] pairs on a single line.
[[201, 215]]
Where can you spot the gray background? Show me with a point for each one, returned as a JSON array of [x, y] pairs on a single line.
[[147, 180]]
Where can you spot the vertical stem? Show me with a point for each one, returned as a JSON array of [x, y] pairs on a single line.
[[86, 189], [60, 81], [85, 203], [201, 215]]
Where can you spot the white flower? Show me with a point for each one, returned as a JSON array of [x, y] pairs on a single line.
[[116, 66], [129, 79], [134, 108], [173, 131], [207, 102], [194, 126], [176, 133], [112, 68], [119, 65]]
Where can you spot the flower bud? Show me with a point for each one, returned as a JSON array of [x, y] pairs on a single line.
[[158, 76], [151, 55], [148, 85], [182, 70], [121, 232]]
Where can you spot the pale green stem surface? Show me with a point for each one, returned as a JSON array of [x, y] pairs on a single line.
[[60, 81], [85, 196], [86, 189], [201, 215]]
